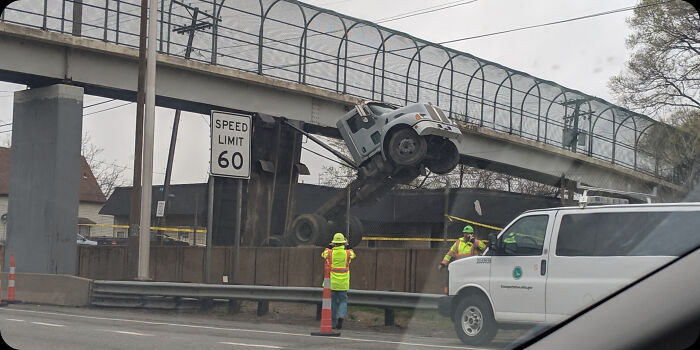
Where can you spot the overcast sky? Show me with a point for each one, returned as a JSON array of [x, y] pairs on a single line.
[[581, 55]]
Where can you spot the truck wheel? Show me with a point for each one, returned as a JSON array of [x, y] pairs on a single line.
[[307, 228], [474, 322], [406, 147], [443, 156], [355, 236], [274, 241]]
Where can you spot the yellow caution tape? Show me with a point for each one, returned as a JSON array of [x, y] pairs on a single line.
[[406, 239], [473, 222]]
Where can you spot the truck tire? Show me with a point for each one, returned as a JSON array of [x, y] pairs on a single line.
[[307, 228], [442, 157], [355, 236], [406, 147], [474, 322], [275, 241]]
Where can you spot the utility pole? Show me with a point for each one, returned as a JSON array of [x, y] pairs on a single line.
[[193, 27], [148, 131], [135, 209]]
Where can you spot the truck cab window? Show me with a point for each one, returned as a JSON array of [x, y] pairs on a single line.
[[357, 122], [525, 237]]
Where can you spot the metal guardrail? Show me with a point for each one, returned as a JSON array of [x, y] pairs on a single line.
[[112, 293], [294, 41]]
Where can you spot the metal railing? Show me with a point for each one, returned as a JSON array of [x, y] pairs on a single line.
[[105, 292], [151, 294], [309, 45]]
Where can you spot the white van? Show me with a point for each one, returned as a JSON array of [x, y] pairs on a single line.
[[548, 264]]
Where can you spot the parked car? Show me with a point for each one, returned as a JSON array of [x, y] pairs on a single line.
[[84, 241]]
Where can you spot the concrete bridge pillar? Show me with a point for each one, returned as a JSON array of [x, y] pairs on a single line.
[[44, 179]]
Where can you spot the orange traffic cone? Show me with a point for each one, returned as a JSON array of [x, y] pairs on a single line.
[[2, 302], [326, 324], [11, 281]]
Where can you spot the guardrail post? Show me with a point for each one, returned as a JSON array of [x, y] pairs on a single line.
[[206, 304], [263, 307], [319, 307], [234, 306], [389, 317]]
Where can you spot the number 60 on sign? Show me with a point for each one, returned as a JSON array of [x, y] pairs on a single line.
[[230, 144]]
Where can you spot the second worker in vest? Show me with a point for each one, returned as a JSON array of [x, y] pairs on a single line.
[[339, 259], [463, 247]]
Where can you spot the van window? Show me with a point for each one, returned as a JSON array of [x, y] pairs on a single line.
[[525, 237], [628, 234]]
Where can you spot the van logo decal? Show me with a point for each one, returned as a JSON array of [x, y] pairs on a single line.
[[517, 272]]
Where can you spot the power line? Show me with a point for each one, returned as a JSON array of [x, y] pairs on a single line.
[[107, 109], [424, 11], [99, 103], [382, 20], [552, 23]]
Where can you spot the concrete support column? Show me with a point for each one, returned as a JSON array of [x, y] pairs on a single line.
[[44, 179]]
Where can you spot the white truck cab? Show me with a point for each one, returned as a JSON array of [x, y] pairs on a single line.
[[547, 264]]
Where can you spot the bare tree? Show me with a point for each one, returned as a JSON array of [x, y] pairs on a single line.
[[108, 175], [675, 144], [336, 174]]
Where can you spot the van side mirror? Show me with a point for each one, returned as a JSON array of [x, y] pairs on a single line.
[[493, 242]]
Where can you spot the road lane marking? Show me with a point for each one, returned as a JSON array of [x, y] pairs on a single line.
[[253, 345], [130, 333], [239, 329], [13, 319], [48, 324]]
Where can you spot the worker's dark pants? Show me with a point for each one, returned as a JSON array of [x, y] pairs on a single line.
[[339, 304]]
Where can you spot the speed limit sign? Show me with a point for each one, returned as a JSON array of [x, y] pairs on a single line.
[[230, 144]]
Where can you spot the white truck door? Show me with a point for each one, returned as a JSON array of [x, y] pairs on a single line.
[[518, 269]]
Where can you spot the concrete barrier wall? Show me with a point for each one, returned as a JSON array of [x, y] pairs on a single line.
[[52, 289], [390, 269]]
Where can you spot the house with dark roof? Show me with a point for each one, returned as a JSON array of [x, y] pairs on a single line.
[[398, 213], [90, 222]]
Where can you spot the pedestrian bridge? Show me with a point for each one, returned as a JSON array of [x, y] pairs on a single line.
[[287, 58]]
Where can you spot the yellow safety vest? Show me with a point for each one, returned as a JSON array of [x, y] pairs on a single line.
[[339, 259], [461, 249]]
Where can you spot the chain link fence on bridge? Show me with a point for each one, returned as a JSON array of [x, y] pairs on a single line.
[[309, 45]]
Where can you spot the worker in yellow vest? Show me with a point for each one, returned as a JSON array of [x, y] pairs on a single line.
[[339, 259], [463, 247]]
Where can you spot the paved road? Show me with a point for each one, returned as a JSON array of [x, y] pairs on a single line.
[[42, 327]]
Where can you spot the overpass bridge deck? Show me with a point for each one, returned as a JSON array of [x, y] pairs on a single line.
[[332, 60]]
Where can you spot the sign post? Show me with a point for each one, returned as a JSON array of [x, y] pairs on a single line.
[[230, 157]]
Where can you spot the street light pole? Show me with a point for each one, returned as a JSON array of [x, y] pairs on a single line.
[[148, 130]]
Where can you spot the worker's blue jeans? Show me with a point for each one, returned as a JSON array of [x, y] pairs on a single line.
[[339, 304]]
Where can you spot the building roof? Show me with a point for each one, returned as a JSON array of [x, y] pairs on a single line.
[[182, 200], [398, 206], [89, 188]]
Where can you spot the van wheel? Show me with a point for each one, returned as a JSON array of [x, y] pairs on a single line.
[[474, 322]]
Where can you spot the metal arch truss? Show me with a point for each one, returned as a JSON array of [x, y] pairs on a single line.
[[309, 45]]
